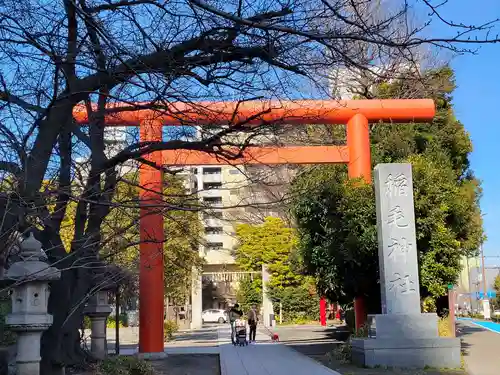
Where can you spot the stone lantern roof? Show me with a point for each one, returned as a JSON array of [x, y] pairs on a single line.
[[107, 276], [32, 265]]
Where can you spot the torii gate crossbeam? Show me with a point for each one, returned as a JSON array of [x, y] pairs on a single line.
[[355, 114]]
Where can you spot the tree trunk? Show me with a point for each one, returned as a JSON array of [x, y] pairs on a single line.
[[61, 346]]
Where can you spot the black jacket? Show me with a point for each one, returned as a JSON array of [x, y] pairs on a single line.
[[235, 314]]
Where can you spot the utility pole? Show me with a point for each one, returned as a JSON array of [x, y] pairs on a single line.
[[469, 286], [451, 309], [486, 301]]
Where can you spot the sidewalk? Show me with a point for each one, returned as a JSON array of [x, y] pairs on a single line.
[[481, 347], [202, 341], [264, 358]]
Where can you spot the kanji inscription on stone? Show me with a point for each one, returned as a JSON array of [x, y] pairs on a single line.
[[397, 240], [396, 186], [396, 217], [399, 249], [403, 284]]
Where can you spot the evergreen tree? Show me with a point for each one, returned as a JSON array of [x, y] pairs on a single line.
[[275, 244], [336, 217]]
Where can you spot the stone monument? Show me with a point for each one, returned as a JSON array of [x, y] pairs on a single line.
[[404, 337], [30, 296]]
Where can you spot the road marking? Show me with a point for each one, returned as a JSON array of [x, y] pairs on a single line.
[[480, 324]]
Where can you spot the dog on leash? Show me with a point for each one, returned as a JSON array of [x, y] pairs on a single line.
[[275, 337]]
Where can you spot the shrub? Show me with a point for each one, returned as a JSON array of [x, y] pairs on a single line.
[[123, 365], [476, 316], [350, 319], [111, 323], [429, 305], [298, 303], [342, 352], [169, 328], [249, 293], [444, 327]]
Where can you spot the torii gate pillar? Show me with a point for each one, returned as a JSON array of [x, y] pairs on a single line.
[[359, 166], [151, 284]]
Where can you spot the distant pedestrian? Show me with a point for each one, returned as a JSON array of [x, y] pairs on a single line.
[[234, 313], [342, 316], [252, 323]]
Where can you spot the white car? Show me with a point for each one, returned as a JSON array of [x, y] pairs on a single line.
[[214, 316]]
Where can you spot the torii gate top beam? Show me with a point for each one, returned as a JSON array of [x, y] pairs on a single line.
[[255, 112]]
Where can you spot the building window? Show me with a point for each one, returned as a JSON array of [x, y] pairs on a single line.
[[213, 230], [212, 215], [212, 200], [214, 246], [212, 185], [211, 170]]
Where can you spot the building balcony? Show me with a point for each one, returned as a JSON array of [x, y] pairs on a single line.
[[211, 174], [214, 237], [209, 193], [222, 256], [212, 177], [213, 222]]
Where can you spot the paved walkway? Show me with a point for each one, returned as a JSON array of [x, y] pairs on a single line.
[[262, 358], [481, 346], [265, 358], [202, 341], [481, 343]]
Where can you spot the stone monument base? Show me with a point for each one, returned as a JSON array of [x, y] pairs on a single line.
[[440, 352], [407, 341]]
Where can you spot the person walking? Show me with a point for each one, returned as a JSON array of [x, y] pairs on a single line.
[[234, 313], [252, 323]]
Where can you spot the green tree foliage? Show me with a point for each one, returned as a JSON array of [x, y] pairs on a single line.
[[336, 218], [275, 244], [496, 286], [249, 293], [299, 303], [270, 243], [181, 227]]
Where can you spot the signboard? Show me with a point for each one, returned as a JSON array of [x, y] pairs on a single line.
[[490, 294]]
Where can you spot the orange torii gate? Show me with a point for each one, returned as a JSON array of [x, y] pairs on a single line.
[[355, 114]]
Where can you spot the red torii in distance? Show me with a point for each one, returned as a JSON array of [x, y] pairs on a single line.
[[356, 114]]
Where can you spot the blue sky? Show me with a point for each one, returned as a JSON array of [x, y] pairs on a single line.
[[476, 102]]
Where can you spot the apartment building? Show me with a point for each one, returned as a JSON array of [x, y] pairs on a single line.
[[231, 195]]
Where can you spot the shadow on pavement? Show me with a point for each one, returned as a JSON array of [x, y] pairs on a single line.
[[316, 341], [197, 336], [464, 330]]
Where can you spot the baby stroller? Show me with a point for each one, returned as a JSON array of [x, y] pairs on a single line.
[[240, 328]]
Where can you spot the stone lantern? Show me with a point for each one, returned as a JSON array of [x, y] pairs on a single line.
[[30, 296], [98, 309]]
